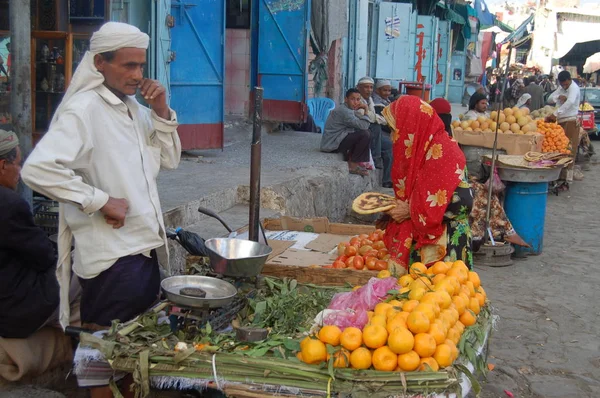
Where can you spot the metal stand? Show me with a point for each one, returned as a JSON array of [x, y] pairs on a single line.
[[254, 222]]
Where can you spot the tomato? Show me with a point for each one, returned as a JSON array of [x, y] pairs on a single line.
[[382, 253], [371, 253], [341, 248], [380, 232], [350, 251], [339, 264], [363, 236], [379, 245], [374, 237], [359, 262], [350, 262], [370, 263], [387, 257], [364, 250], [381, 265], [354, 240], [366, 242], [342, 258]]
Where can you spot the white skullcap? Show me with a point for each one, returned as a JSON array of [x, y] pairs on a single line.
[[383, 83], [365, 80]]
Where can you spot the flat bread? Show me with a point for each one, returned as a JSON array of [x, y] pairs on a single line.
[[373, 202]]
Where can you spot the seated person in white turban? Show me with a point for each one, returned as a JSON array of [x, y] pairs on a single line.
[[381, 95], [381, 146], [524, 101], [100, 159]]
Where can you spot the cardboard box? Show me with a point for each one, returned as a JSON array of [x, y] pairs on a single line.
[[306, 265], [513, 144]]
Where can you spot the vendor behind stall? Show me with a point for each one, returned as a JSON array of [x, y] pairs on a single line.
[[567, 97], [478, 105], [431, 220]]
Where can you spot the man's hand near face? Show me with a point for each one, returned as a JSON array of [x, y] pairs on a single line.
[[156, 96]]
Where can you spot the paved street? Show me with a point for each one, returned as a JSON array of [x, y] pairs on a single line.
[[547, 342]]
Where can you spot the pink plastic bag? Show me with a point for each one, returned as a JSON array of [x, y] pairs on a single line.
[[497, 184], [365, 298], [347, 318]]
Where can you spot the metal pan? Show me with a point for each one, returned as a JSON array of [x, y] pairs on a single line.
[[219, 293]]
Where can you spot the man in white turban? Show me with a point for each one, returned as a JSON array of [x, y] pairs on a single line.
[[381, 146], [100, 159]]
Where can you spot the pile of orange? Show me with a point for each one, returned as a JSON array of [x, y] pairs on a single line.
[[555, 139], [363, 252], [419, 333]]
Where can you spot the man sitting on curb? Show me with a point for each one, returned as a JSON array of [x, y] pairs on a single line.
[[381, 146]]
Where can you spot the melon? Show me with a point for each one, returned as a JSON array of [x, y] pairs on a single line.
[[511, 119], [502, 118], [464, 124], [526, 129], [481, 119], [508, 111], [515, 128], [504, 126], [518, 114], [485, 125], [487, 131], [468, 129], [456, 123], [523, 121], [493, 126], [478, 130], [515, 109], [474, 124], [526, 111], [494, 115]]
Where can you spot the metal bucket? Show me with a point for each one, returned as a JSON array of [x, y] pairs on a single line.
[[525, 206]]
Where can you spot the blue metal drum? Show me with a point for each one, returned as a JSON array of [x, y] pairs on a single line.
[[525, 206]]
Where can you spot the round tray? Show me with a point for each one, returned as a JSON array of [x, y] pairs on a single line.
[[219, 293], [528, 175]]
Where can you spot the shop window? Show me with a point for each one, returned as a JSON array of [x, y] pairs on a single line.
[[4, 24], [238, 14]]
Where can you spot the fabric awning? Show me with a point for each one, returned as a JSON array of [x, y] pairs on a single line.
[[520, 31], [522, 41], [503, 26], [451, 15]]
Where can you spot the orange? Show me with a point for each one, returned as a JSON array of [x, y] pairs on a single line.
[[453, 335], [443, 355], [404, 315], [459, 274], [360, 358], [401, 341], [418, 322], [480, 298], [468, 318], [385, 359], [384, 274], [429, 365], [471, 288], [460, 327], [416, 293], [405, 280], [474, 306], [409, 361], [421, 281], [396, 303], [437, 333], [330, 334], [440, 268], [380, 320], [474, 277], [459, 304], [438, 278], [460, 264], [417, 269], [351, 338], [427, 309], [410, 305], [314, 351], [395, 323], [392, 312], [341, 358], [453, 348], [299, 356], [305, 340], [375, 336], [445, 299], [480, 290], [382, 308], [424, 345]]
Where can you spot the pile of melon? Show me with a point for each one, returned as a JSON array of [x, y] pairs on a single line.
[[510, 121]]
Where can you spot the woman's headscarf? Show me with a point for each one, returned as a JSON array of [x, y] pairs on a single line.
[[428, 166], [444, 110], [475, 98]]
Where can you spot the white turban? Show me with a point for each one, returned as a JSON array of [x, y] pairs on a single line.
[[365, 80], [523, 100], [383, 83], [112, 36]]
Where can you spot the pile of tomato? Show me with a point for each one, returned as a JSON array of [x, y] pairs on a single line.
[[363, 252]]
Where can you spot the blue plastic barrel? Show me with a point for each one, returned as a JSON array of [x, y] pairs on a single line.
[[525, 206]]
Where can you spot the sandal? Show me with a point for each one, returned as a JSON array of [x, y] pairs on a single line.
[[359, 171]]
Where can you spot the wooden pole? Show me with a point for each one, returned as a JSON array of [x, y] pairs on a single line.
[[255, 161], [20, 79]]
